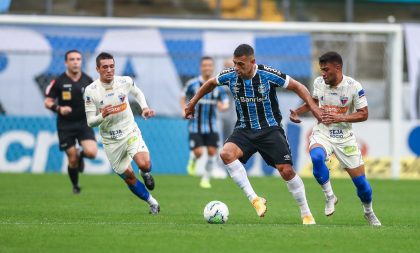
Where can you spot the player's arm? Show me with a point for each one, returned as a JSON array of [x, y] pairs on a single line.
[[50, 101], [141, 100], [93, 118], [223, 100], [304, 94], [304, 108], [207, 87], [359, 115]]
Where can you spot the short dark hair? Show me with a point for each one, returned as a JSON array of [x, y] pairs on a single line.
[[103, 56], [206, 58], [331, 57], [243, 49], [71, 51]]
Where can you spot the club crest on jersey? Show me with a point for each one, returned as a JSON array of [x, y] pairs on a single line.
[[121, 97], [344, 100], [261, 89]]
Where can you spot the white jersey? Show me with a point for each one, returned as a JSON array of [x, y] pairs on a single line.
[[120, 123], [345, 98]]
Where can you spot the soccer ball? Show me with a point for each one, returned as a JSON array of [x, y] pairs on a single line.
[[216, 212]]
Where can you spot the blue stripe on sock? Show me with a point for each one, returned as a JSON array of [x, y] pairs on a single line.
[[139, 190]]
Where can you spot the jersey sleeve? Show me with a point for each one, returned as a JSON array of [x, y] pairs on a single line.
[[223, 78], [275, 77], [89, 103], [317, 92], [359, 98], [52, 90]]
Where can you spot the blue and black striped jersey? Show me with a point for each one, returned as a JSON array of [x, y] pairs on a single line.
[[204, 121], [256, 101]]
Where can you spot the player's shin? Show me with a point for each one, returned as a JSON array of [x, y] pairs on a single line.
[[320, 170], [364, 191], [238, 173], [297, 189]]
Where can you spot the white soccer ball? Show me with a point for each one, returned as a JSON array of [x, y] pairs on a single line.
[[216, 212]]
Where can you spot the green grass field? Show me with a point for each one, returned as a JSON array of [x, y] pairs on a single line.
[[38, 213]]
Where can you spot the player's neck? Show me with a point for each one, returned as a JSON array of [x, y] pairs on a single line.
[[106, 82], [338, 81], [251, 74], [74, 76]]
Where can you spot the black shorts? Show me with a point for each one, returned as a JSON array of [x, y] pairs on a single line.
[[67, 138], [270, 142], [200, 140]]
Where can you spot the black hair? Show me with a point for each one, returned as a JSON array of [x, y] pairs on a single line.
[[206, 58], [71, 51], [103, 56], [243, 50], [331, 57]]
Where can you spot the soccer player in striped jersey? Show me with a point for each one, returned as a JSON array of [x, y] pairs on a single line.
[[343, 102], [203, 130], [258, 128]]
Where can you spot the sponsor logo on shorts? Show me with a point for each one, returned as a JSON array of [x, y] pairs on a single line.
[[350, 150], [336, 133], [132, 139]]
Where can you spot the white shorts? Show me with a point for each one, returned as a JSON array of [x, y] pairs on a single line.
[[121, 153], [347, 151]]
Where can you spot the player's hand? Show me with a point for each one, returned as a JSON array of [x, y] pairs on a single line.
[[329, 118], [189, 112], [64, 110], [148, 113], [294, 117], [107, 110], [317, 114]]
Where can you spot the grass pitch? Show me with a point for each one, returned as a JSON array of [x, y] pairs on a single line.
[[38, 213]]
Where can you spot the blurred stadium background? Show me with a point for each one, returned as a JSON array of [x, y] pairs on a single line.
[[160, 42]]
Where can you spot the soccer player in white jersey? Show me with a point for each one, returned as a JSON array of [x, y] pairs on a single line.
[[107, 106], [342, 101]]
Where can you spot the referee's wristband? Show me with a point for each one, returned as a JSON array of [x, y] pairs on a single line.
[[55, 108]]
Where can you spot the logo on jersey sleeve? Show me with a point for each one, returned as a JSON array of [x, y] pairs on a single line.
[[88, 100], [361, 93]]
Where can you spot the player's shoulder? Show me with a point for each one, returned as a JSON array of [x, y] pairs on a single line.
[[227, 72], [60, 79], [269, 69], [92, 87], [125, 81], [86, 77], [351, 81], [319, 81]]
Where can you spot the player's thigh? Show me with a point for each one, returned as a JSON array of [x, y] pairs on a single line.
[[195, 140], [238, 146], [273, 147], [117, 156], [319, 140], [86, 138], [137, 149], [348, 154]]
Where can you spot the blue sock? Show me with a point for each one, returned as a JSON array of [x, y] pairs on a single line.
[[138, 189], [320, 169], [364, 191]]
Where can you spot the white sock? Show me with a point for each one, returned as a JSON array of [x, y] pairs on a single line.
[[152, 201], [297, 189], [367, 207], [192, 156], [327, 188], [209, 167], [238, 173]]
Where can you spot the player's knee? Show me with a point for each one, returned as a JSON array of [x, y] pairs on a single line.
[[130, 179], [144, 165], [317, 156], [364, 190], [90, 152], [227, 156], [286, 171], [198, 152], [73, 161]]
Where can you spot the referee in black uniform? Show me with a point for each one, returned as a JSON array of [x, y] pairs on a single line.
[[64, 96]]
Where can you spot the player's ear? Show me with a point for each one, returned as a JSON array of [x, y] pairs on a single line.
[[97, 69]]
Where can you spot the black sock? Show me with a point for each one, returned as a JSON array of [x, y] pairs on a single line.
[[74, 176]]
